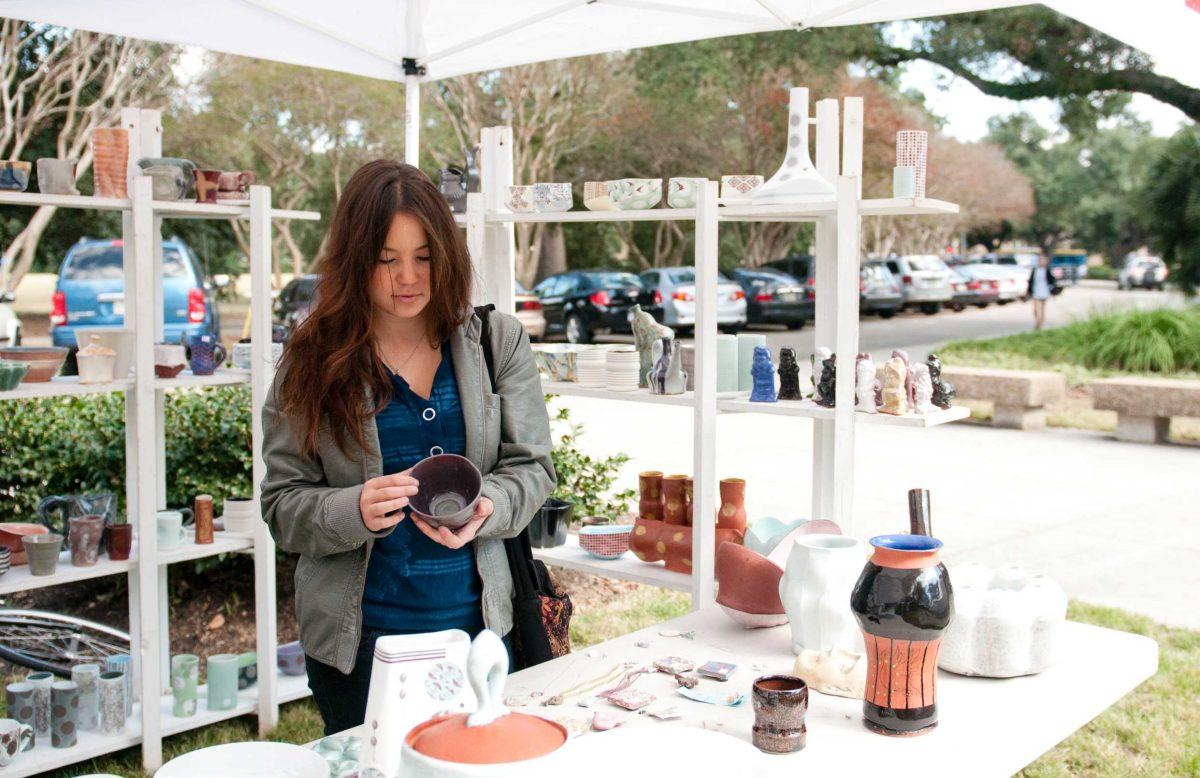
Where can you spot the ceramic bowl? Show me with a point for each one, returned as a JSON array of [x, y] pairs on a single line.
[[248, 760], [739, 187], [636, 194], [289, 658], [118, 339], [519, 199], [556, 360], [552, 198], [748, 587], [44, 361], [14, 175], [449, 488], [682, 192], [11, 374], [605, 541], [597, 196]]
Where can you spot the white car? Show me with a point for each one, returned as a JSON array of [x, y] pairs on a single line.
[[1011, 282], [674, 289], [1144, 272], [927, 281], [10, 325]]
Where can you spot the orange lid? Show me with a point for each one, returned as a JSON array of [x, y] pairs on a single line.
[[514, 737]]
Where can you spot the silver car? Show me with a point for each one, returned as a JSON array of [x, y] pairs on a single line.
[[1144, 272], [1012, 283], [926, 281], [674, 291]]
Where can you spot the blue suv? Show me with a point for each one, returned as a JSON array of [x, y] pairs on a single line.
[[91, 292]]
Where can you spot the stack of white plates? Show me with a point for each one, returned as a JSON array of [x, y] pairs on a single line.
[[590, 364], [621, 370]]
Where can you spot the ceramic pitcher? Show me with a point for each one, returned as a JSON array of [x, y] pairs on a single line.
[[206, 353], [815, 590]]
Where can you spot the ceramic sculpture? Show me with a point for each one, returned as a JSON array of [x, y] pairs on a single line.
[[1005, 622], [943, 390], [838, 671], [895, 398], [911, 151], [674, 504], [908, 378], [864, 384], [903, 601], [413, 677], [815, 360], [646, 332], [789, 374], [797, 180], [764, 534], [748, 587], [667, 376], [826, 393], [922, 388], [762, 373], [815, 590]]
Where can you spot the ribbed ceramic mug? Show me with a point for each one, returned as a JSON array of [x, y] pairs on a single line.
[[240, 515], [18, 699], [121, 663], [185, 681], [64, 714], [15, 737], [87, 678], [41, 683], [5, 559], [112, 702], [42, 551], [222, 680]]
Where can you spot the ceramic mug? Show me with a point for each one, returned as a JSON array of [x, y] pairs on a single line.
[[185, 681], [41, 551], [208, 183], [170, 528], [206, 354], [56, 176], [239, 516], [15, 738], [222, 681], [780, 704]]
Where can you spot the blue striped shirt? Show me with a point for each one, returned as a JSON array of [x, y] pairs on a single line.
[[414, 584]]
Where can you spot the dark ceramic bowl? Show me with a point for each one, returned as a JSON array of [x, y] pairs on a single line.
[[548, 528], [449, 490], [289, 657]]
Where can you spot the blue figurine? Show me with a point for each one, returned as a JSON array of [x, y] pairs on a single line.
[[763, 373]]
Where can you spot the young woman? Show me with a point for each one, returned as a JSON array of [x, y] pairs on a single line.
[[1042, 284], [387, 370]]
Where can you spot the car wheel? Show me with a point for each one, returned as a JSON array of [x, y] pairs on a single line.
[[981, 305], [796, 324], [1003, 302], [577, 331], [956, 307], [887, 314], [929, 309]]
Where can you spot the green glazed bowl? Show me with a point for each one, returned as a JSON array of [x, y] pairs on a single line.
[[11, 374]]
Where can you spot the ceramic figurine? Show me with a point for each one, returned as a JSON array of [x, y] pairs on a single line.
[[818, 357], [789, 375], [943, 390], [903, 599], [895, 398], [64, 714], [864, 384], [827, 387], [922, 388], [763, 374], [837, 671], [815, 588], [87, 678], [908, 377], [57, 176], [748, 587], [797, 180], [646, 332], [666, 376], [780, 703], [112, 702]]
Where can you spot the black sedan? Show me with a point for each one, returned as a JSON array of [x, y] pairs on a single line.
[[582, 303], [295, 301], [774, 297]]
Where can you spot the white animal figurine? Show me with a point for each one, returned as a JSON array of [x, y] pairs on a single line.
[[864, 384], [895, 397], [838, 671], [922, 388]]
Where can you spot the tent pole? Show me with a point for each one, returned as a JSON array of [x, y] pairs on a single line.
[[412, 120]]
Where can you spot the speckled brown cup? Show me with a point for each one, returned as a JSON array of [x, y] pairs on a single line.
[[780, 703]]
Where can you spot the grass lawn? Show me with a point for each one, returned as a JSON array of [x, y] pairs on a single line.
[[1155, 730]]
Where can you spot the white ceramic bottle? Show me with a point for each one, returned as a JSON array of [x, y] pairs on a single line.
[[820, 574]]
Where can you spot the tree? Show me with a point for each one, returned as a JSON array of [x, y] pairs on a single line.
[[1171, 202]]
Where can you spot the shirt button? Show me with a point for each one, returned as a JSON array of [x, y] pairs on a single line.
[[433, 452], [428, 414]]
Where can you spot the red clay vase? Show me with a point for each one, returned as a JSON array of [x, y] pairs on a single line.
[[645, 541], [674, 502], [688, 493], [678, 543], [732, 513], [650, 502]]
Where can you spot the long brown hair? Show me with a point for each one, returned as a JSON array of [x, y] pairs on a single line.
[[330, 367]]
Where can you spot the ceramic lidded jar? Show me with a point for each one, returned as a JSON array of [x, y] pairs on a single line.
[[903, 601], [491, 741]]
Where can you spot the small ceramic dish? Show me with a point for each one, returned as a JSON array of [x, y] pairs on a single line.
[[552, 198], [11, 374], [448, 490], [519, 199], [605, 541], [44, 361], [636, 194], [597, 196]]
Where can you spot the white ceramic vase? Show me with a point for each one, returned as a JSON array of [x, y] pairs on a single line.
[[797, 180], [820, 574]]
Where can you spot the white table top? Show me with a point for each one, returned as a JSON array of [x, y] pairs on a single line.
[[986, 726]]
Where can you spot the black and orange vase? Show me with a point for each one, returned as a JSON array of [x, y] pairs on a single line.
[[903, 601]]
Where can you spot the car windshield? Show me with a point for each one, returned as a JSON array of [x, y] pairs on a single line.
[[103, 262], [874, 272], [615, 280], [925, 263], [687, 275]]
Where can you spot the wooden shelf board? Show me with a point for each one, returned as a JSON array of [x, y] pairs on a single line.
[[62, 386], [810, 410], [647, 215]]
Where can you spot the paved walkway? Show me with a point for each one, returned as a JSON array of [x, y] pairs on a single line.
[[1114, 523]]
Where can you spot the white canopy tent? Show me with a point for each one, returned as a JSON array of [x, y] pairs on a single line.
[[422, 40]]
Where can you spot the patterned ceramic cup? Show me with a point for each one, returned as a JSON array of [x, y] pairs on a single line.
[[87, 678], [739, 186], [247, 669], [112, 702], [121, 663], [519, 199], [552, 198], [18, 698], [185, 680], [682, 192], [41, 682], [15, 737], [222, 680], [780, 704], [597, 196], [64, 714], [637, 194]]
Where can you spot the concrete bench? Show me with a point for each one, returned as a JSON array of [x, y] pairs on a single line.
[[1145, 406], [1020, 396]]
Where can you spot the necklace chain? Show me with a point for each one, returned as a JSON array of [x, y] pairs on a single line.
[[396, 369]]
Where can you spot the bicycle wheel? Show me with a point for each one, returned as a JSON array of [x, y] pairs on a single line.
[[41, 640]]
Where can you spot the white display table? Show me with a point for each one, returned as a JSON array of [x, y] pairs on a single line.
[[986, 727]]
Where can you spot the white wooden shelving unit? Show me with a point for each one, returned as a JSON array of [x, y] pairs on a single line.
[[146, 476], [837, 220]]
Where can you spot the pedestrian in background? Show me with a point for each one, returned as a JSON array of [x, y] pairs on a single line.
[[1042, 285]]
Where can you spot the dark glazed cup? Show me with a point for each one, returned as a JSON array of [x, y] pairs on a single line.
[[780, 704], [449, 488]]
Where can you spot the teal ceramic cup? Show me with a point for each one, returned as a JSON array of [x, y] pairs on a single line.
[[247, 669], [222, 681], [185, 683], [171, 533], [64, 714]]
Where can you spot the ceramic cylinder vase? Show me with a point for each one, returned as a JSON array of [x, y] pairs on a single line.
[[732, 513], [110, 161], [650, 498], [42, 683], [84, 539], [780, 705], [815, 590], [746, 342], [87, 679], [57, 176], [15, 738], [120, 541], [185, 683], [112, 702], [64, 714], [674, 501], [903, 601], [222, 680], [912, 148], [727, 363], [19, 702], [121, 663], [688, 493], [203, 511]]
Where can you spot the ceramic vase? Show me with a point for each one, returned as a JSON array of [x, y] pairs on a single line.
[[112, 702], [208, 183], [646, 540], [121, 663], [64, 714], [746, 343], [762, 375], [15, 738], [221, 677], [815, 590], [110, 161], [780, 705], [87, 679], [41, 551], [732, 513], [120, 541], [674, 502], [666, 377], [42, 683], [203, 511], [676, 541], [797, 180], [650, 495], [247, 669], [413, 677], [57, 176], [20, 703], [688, 495], [84, 539], [185, 682], [748, 587], [911, 151], [727, 363], [903, 601]]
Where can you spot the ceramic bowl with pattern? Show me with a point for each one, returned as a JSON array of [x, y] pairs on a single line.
[[519, 199], [552, 198], [597, 196], [636, 194], [682, 192], [605, 541]]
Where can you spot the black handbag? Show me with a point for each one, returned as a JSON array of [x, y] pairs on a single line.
[[541, 609]]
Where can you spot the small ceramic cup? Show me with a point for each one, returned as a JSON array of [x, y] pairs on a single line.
[[42, 552], [112, 702], [552, 198], [247, 669], [185, 682], [904, 181], [57, 176], [682, 192], [41, 683], [64, 714], [519, 199], [19, 702], [15, 738], [636, 194], [169, 359], [208, 183], [241, 354], [87, 678], [240, 515], [84, 539], [120, 541], [221, 677], [123, 664], [739, 186], [597, 196], [170, 528], [14, 175], [780, 704]]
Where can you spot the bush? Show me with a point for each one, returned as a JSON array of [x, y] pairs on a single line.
[[585, 480], [1103, 273]]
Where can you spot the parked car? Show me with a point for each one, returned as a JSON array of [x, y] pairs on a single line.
[[1143, 272], [925, 279], [10, 324], [582, 303], [774, 297], [294, 302], [974, 285], [90, 292], [529, 311], [798, 266], [1069, 265], [1025, 259], [879, 291], [674, 290], [1012, 283]]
